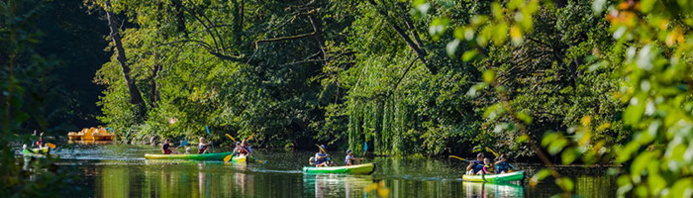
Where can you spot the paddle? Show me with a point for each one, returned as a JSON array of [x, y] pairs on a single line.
[[227, 135], [210, 137], [251, 137], [51, 145], [491, 150], [227, 158], [459, 158], [496, 154], [322, 149]]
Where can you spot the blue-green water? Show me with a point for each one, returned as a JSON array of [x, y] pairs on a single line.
[[122, 171]]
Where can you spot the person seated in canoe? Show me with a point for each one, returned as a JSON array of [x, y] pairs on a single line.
[[237, 149], [322, 159], [245, 149], [476, 165], [166, 146], [38, 143], [202, 147], [350, 159], [502, 166], [488, 167]]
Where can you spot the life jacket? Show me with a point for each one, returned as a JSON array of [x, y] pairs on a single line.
[[244, 150], [347, 160], [166, 149], [201, 149], [319, 161], [478, 165], [503, 166], [489, 168]]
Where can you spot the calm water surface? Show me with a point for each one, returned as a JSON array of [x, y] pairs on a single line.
[[122, 171]]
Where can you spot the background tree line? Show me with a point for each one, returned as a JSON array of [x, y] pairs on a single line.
[[586, 81]]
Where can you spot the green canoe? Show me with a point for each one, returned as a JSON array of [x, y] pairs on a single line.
[[242, 159], [367, 169], [504, 177], [36, 152], [206, 156]]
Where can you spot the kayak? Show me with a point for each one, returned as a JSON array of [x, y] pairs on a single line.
[[242, 159], [206, 156], [35, 152], [367, 169], [504, 177]]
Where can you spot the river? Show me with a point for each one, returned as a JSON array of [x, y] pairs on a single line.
[[122, 171]]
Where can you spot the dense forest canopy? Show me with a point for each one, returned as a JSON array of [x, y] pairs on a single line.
[[347, 73], [586, 81]]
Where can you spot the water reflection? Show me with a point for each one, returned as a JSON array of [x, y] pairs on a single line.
[[331, 185], [487, 190], [129, 175]]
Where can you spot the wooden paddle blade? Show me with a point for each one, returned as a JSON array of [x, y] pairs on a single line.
[[51, 145], [227, 135], [227, 158], [251, 137]]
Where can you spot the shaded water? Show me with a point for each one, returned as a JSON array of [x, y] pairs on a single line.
[[122, 171]]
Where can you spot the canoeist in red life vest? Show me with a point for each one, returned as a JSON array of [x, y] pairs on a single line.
[[38, 143], [244, 149], [166, 147], [202, 147]]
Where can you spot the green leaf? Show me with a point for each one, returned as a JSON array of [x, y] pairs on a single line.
[[523, 138], [556, 146], [682, 188], [469, 55], [541, 175], [489, 75], [524, 117], [568, 184], [641, 162], [569, 155], [646, 5]]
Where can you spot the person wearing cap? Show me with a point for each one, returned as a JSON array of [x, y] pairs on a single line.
[[476, 165], [322, 158], [350, 159], [237, 149]]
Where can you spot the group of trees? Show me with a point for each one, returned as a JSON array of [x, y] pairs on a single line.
[[587, 81], [347, 73]]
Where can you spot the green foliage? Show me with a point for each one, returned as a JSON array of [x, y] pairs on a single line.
[[21, 70], [588, 79]]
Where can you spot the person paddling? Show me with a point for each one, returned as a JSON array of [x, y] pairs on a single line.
[[476, 165], [166, 147], [202, 146], [502, 165], [39, 142], [322, 158], [245, 149], [350, 159], [237, 149]]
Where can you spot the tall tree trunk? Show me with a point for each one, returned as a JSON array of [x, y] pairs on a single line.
[[154, 95], [135, 97]]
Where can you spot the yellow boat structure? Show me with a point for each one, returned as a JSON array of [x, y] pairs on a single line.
[[92, 134]]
